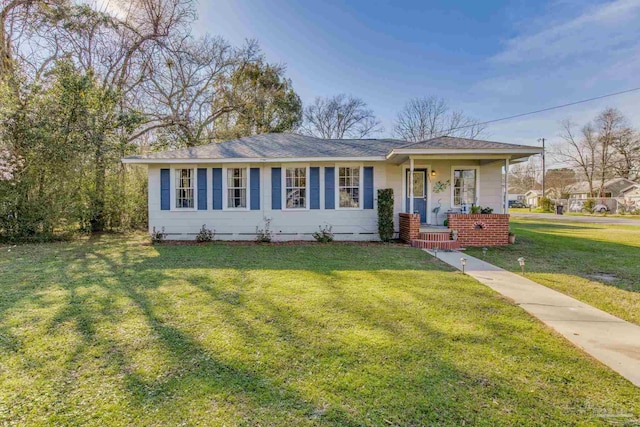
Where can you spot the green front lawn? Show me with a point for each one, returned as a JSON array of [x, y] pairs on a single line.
[[113, 332], [595, 263]]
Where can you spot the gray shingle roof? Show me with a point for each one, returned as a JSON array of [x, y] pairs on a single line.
[[290, 145], [460, 144]]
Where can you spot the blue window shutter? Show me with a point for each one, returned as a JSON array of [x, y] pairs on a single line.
[[165, 190], [276, 188], [368, 187], [254, 177], [329, 188], [314, 181], [217, 188], [202, 189]]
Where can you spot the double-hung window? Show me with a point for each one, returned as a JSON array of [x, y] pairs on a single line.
[[349, 187], [236, 188], [296, 188], [464, 186], [184, 188]]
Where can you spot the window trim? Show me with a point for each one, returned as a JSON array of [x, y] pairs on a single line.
[[174, 188], [225, 188], [283, 190], [453, 181], [337, 166]]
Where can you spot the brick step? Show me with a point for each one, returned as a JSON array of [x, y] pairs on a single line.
[[435, 236], [432, 244]]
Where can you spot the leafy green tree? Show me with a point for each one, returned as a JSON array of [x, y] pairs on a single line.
[[266, 102]]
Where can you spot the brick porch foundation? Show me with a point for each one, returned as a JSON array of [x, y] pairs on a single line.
[[409, 227], [480, 229]]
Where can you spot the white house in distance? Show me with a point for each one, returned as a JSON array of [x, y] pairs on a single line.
[[532, 198], [301, 183]]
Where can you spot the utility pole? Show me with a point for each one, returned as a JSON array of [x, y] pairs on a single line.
[[544, 172]]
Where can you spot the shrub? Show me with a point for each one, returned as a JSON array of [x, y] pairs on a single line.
[[205, 235], [476, 209], [486, 210], [546, 204], [158, 236], [589, 205], [385, 214], [324, 234], [264, 235]]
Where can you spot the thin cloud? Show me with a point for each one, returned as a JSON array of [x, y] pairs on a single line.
[[602, 28]]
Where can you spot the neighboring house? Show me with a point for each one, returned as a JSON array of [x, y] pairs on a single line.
[[612, 188], [301, 183], [631, 195], [532, 198], [516, 197]]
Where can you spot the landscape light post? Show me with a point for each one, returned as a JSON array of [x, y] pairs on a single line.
[[521, 262], [463, 261]]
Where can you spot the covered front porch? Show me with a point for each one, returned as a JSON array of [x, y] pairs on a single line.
[[451, 201], [435, 186]]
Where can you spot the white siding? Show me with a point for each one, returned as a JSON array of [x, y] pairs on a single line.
[[351, 224]]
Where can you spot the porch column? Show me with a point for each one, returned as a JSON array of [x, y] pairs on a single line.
[[410, 185], [506, 185]]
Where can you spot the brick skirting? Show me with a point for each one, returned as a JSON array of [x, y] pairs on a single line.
[[409, 227], [481, 229]]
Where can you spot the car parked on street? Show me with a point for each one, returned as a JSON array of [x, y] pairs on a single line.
[[517, 204]]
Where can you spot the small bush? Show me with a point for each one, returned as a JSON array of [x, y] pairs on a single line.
[[264, 235], [589, 205], [475, 209], [324, 234], [205, 235], [546, 204], [385, 214], [158, 236], [486, 211]]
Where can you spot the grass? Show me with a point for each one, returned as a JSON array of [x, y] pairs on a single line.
[[595, 263], [603, 215], [113, 332]]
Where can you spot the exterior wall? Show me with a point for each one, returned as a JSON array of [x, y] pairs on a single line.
[[494, 231], [489, 187], [347, 224], [409, 227], [183, 224]]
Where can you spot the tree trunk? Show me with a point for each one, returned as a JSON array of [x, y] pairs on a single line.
[[97, 208]]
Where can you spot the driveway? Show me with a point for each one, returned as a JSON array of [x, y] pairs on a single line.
[[572, 218]]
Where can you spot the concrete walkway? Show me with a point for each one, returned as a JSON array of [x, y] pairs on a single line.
[[611, 340]]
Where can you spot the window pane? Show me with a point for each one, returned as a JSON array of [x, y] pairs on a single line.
[[349, 187], [464, 191], [184, 188], [236, 188], [295, 188]]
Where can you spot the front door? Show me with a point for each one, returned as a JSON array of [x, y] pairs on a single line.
[[419, 193]]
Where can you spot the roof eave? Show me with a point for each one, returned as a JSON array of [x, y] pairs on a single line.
[[513, 152], [129, 160]]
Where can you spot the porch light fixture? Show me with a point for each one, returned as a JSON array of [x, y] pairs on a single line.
[[521, 262], [484, 252], [433, 173], [463, 261]]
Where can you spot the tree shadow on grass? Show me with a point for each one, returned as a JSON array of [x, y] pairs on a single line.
[[415, 379]]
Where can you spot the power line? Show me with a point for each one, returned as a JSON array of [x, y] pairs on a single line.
[[549, 108]]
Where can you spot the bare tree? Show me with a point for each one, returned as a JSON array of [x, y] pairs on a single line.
[[524, 176], [338, 117], [626, 161], [187, 88], [610, 125], [425, 118], [580, 151]]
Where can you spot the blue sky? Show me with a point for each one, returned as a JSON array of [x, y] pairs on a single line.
[[488, 58]]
